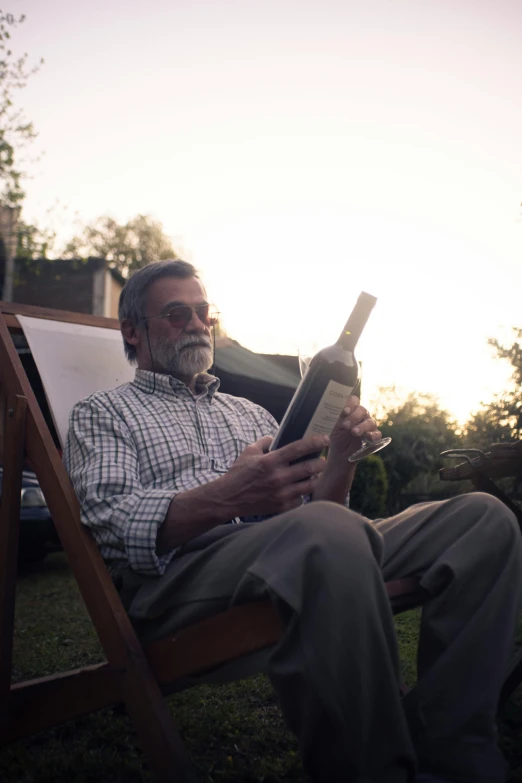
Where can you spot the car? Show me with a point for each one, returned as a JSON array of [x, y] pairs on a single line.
[[38, 536]]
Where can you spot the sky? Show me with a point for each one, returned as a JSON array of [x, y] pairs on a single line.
[[298, 153]]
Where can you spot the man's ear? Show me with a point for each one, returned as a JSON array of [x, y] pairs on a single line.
[[129, 332]]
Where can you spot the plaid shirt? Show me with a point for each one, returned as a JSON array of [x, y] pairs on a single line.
[[130, 450]]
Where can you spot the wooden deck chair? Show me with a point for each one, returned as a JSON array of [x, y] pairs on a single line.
[[135, 675], [483, 469]]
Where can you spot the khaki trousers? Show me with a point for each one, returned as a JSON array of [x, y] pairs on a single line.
[[336, 669]]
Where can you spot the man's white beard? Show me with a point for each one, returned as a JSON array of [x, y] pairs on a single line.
[[183, 358]]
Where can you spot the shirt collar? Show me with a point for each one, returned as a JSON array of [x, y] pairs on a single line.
[[150, 382]]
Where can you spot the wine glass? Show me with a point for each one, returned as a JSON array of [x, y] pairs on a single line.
[[305, 356], [368, 447]]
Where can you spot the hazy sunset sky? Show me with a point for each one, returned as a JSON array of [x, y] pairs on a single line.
[[299, 152]]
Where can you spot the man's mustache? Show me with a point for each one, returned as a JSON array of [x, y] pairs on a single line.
[[193, 341]]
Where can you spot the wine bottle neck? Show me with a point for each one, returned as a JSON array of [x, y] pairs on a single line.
[[356, 322]]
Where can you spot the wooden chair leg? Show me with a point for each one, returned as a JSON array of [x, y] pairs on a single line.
[[13, 460]]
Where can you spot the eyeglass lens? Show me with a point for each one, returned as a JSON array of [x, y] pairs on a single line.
[[181, 315]]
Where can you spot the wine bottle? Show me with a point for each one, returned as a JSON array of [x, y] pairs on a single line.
[[331, 378]]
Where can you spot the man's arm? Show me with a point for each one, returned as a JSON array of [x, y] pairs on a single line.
[[259, 482], [335, 481], [101, 458]]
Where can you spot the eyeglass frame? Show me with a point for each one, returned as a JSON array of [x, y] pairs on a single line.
[[215, 317]]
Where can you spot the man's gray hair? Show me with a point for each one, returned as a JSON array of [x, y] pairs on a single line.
[[133, 297]]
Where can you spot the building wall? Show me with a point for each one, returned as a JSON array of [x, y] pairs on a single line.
[[54, 284], [98, 291], [112, 295], [73, 284]]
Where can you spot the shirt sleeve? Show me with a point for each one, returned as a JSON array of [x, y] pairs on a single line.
[[102, 461], [265, 420]]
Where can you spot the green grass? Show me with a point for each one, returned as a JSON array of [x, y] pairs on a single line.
[[234, 733]]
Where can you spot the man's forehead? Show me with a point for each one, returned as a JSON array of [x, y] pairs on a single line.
[[173, 290]]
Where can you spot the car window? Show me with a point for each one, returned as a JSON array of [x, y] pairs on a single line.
[[28, 480]]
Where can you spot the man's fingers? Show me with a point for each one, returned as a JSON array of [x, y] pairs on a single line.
[[353, 403], [374, 434], [365, 427], [352, 418], [262, 445], [306, 487], [295, 492], [302, 471], [300, 448], [354, 415]]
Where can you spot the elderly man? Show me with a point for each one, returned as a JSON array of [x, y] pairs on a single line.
[[193, 514]]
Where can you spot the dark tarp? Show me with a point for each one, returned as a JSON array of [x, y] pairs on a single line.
[[270, 381]]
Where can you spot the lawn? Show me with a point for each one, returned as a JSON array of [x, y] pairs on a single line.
[[234, 732]]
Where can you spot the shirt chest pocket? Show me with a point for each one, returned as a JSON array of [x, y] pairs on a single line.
[[227, 438]]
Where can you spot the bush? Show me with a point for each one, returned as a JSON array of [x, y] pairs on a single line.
[[370, 488]]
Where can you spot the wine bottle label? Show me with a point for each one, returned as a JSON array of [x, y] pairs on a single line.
[[330, 405]]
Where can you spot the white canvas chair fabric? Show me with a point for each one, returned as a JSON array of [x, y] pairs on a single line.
[[73, 361]]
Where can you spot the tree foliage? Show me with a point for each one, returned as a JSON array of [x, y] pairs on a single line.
[[420, 430], [15, 131], [501, 419], [34, 242], [128, 246], [370, 488]]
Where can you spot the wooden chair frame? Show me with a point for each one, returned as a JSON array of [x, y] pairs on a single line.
[[139, 676], [504, 460]]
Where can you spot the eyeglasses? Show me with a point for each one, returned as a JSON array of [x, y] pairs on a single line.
[[181, 315]]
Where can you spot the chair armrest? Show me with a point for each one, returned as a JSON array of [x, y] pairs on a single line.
[[502, 460]]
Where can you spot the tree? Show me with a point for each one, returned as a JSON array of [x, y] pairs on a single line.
[[15, 134], [370, 487], [128, 247], [420, 429], [34, 242], [500, 419], [15, 131]]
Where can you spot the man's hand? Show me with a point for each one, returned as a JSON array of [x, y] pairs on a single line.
[[354, 422], [336, 480], [259, 482], [263, 482]]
